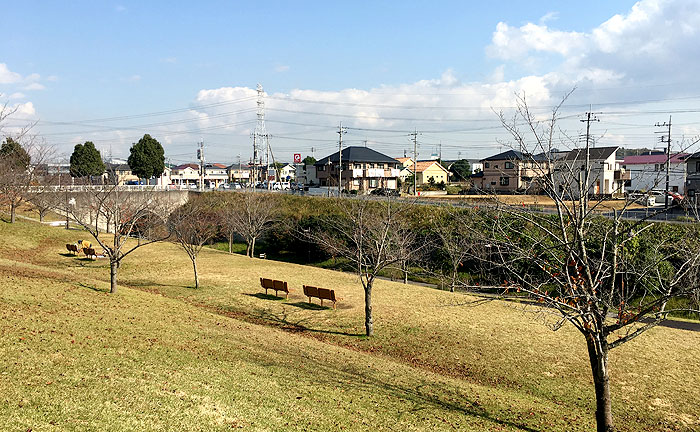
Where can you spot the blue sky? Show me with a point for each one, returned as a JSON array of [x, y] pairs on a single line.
[[93, 60]]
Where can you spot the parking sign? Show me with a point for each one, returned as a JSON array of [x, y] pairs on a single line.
[[297, 157]]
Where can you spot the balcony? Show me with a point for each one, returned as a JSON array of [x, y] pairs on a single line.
[[623, 174]]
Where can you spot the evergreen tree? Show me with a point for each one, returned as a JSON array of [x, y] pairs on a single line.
[[86, 161], [309, 160], [461, 170], [147, 158], [13, 154]]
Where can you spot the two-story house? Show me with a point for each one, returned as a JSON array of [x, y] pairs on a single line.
[[185, 175], [648, 171], [606, 177], [215, 174], [240, 173], [512, 171], [692, 182], [424, 171], [363, 169]]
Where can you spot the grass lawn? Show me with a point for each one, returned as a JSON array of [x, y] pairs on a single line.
[[160, 355]]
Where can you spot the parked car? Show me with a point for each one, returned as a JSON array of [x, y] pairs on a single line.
[[384, 192], [224, 186]]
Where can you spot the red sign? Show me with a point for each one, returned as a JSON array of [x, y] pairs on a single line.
[[297, 157]]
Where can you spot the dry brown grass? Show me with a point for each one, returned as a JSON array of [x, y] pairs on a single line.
[[527, 200], [517, 364]]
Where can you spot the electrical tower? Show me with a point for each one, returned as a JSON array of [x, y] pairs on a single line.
[[260, 136], [666, 139]]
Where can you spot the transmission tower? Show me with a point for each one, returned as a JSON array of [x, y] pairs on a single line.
[[260, 137]]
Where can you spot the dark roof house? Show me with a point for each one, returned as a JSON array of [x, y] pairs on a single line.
[[358, 154]]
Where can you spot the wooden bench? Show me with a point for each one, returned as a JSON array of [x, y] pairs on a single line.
[[276, 285], [321, 294], [90, 253]]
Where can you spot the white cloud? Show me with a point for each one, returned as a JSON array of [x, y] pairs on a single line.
[[34, 86], [7, 76], [17, 95], [52, 78], [654, 38], [171, 60], [281, 68]]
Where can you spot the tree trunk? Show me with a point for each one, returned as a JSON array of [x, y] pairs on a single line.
[[230, 243], [252, 248], [598, 356], [196, 276], [369, 325], [405, 272], [113, 266], [13, 210]]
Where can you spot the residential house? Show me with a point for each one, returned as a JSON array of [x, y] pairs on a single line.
[[287, 172], [424, 171], [215, 174], [512, 171], [185, 175], [362, 170], [648, 171], [119, 174], [239, 173], [606, 175], [692, 182]]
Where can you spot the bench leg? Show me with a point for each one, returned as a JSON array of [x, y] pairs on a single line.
[[333, 305], [321, 301]]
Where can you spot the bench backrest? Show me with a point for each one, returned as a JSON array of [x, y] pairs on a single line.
[[326, 294], [280, 286], [310, 291], [267, 283]]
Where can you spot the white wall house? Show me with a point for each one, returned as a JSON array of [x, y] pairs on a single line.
[[215, 174], [185, 175], [648, 171], [607, 177], [288, 172]]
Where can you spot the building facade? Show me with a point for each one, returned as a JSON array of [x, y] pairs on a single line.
[[362, 170], [648, 172]]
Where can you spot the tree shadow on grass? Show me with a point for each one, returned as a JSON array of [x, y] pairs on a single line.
[[309, 306], [283, 320], [68, 254], [421, 396], [262, 296], [93, 287]]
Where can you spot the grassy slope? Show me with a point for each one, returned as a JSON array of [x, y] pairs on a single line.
[[219, 356]]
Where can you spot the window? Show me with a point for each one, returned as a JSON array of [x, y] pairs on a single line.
[[493, 183], [495, 166], [505, 181], [356, 182], [373, 183], [697, 166], [321, 168], [357, 166], [486, 165], [509, 165]]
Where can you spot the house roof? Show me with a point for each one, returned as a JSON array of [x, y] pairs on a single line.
[[514, 155], [357, 154], [117, 167], [595, 153], [216, 165], [187, 165], [421, 166], [404, 159], [654, 159]]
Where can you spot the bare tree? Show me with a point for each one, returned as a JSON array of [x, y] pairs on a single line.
[[43, 198], [130, 213], [249, 215], [21, 160], [457, 244], [194, 224], [372, 235], [611, 278]]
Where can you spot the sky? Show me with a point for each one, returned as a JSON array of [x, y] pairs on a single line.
[[183, 72]]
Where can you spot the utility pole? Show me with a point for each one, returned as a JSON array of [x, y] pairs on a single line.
[[200, 156], [667, 139], [415, 161], [240, 171], [341, 131], [583, 198]]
